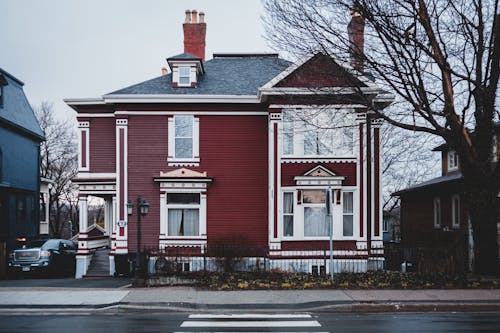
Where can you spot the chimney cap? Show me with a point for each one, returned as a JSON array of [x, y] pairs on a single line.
[[194, 16], [202, 17], [188, 16]]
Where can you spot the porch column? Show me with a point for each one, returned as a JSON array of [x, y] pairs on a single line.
[[274, 169], [112, 243], [83, 254], [108, 216]]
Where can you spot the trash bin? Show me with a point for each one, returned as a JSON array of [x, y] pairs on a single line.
[[122, 267]]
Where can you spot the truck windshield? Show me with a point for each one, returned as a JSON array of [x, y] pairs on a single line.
[[35, 243], [51, 244]]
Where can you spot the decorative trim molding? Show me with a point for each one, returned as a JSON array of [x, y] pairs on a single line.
[[121, 122], [96, 175], [285, 160]]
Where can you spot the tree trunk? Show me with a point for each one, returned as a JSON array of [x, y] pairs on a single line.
[[482, 205]]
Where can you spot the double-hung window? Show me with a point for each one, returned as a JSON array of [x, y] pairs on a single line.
[[452, 160], [348, 214], [183, 214], [183, 145], [288, 214], [183, 136], [317, 133], [184, 76], [437, 213], [315, 222]]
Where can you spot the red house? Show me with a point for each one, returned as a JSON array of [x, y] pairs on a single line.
[[239, 146]]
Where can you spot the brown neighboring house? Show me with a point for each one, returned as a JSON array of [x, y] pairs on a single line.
[[433, 212]]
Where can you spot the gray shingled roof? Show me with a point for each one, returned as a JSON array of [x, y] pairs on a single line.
[[184, 56], [223, 76], [439, 180], [16, 109]]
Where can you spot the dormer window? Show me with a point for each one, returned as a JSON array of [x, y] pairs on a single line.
[[184, 76], [452, 160], [186, 69]]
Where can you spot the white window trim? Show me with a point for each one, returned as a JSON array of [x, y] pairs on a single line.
[[202, 206], [283, 214], [176, 75], [437, 213], [337, 215], [343, 214], [84, 127], [171, 159], [455, 211], [451, 157]]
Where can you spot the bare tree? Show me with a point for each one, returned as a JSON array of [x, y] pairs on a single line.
[[59, 164], [441, 58], [407, 160]]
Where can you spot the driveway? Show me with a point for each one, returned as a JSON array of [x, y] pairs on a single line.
[[66, 283]]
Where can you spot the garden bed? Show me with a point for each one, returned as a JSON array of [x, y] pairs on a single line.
[[299, 281]]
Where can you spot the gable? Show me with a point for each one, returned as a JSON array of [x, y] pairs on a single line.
[[320, 171], [320, 71]]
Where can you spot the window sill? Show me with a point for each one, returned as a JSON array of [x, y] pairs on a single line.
[[183, 161], [184, 237], [318, 238]]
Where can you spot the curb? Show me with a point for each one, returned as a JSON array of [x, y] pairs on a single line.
[[341, 307]]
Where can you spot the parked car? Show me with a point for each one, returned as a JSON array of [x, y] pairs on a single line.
[[54, 256]]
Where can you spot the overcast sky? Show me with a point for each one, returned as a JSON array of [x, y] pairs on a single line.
[[72, 48]]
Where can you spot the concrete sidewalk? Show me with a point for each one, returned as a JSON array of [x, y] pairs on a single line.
[[191, 299]]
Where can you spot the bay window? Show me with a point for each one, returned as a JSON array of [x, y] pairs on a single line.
[[288, 214], [348, 214], [315, 222]]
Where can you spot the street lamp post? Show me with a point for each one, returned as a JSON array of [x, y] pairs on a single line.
[[143, 209]]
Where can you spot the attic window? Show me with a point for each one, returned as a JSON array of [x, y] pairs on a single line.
[[184, 76]]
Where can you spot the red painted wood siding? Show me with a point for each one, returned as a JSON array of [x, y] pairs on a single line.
[[290, 170], [147, 156], [320, 71], [102, 141], [233, 150]]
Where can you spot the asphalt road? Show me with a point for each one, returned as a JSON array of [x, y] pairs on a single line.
[[238, 322]]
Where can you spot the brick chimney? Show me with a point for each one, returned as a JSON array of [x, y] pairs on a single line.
[[195, 31], [356, 31]]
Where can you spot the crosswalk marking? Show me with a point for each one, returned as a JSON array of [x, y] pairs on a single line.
[[248, 315], [251, 323], [247, 321]]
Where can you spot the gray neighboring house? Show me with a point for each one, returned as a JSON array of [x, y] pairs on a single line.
[[20, 138]]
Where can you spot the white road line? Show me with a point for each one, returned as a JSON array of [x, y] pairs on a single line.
[[245, 332], [248, 315], [247, 323]]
